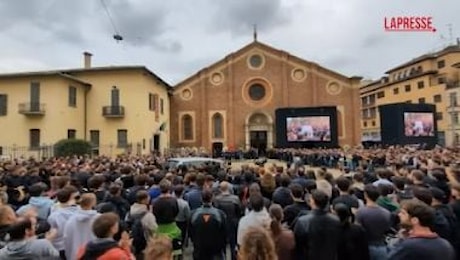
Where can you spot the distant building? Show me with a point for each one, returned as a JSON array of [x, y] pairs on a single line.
[[232, 102], [118, 109], [430, 78]]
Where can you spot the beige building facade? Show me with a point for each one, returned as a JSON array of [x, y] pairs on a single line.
[[431, 78], [118, 109]]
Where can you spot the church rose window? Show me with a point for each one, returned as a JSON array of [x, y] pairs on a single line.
[[257, 92], [255, 61]]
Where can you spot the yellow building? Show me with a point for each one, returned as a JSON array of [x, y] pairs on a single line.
[[430, 78], [118, 109]]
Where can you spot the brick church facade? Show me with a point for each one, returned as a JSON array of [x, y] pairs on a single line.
[[232, 102]]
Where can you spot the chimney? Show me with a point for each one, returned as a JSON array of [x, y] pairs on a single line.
[[87, 59]]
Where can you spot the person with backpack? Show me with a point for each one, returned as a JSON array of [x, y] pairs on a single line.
[[141, 222], [116, 201], [208, 229]]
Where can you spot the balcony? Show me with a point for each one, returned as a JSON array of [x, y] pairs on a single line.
[[113, 111], [32, 109]]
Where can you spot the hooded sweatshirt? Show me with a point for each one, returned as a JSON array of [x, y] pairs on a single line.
[[57, 220], [103, 249], [42, 204], [27, 249], [78, 231]]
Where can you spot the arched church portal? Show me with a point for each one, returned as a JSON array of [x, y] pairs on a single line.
[[259, 131]]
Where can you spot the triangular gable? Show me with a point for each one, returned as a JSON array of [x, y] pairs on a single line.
[[265, 49]]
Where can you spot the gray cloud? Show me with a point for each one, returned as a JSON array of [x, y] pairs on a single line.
[[239, 16]]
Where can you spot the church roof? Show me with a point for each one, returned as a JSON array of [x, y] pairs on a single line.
[[259, 45]]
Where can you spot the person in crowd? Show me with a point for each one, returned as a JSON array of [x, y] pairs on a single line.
[[230, 204], [23, 244], [257, 244], [159, 248], [343, 184], [376, 221], [141, 221], [78, 228], [193, 196], [205, 222], [257, 217], [104, 247], [166, 209], [386, 200], [282, 194], [37, 199], [353, 243], [67, 198], [421, 242], [282, 237], [184, 212], [300, 206], [322, 184], [317, 233], [116, 200]]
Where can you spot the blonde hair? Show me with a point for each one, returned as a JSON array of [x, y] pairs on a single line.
[[159, 248], [257, 245], [268, 181]]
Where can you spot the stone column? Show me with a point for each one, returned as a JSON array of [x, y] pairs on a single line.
[[247, 139]]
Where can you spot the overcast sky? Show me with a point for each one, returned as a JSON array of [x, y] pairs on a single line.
[[176, 38]]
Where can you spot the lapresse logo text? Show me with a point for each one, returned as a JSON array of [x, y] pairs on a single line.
[[409, 24]]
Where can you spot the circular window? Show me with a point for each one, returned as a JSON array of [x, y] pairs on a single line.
[[186, 94], [298, 74], [217, 78], [257, 92], [256, 61], [334, 88]]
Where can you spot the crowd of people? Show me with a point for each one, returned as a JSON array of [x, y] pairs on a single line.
[[381, 203]]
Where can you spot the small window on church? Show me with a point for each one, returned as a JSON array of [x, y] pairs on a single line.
[[187, 127]]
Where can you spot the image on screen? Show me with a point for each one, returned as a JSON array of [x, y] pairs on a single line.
[[418, 124], [308, 128]]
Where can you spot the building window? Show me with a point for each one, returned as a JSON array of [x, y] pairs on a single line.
[[441, 80], [396, 91], [455, 118], [407, 88], [438, 115], [161, 106], [257, 92], [441, 64], [373, 122], [94, 137], [72, 96], [187, 127], [420, 84], [437, 98], [453, 99], [34, 138], [256, 61], [421, 100], [3, 104], [217, 124], [365, 123], [122, 138], [408, 101], [151, 102], [381, 94], [35, 96], [71, 134]]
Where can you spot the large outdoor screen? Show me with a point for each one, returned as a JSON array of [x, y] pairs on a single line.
[[308, 128], [419, 124]]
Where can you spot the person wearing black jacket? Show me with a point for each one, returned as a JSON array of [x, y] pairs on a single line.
[[282, 194], [230, 204], [317, 233], [353, 243], [299, 206], [208, 222]]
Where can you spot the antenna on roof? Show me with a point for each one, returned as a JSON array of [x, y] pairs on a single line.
[[451, 37]]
